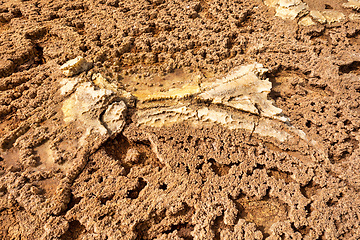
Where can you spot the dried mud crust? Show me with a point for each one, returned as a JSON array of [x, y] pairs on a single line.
[[181, 181]]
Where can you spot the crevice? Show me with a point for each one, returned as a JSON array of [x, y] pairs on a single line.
[[353, 67], [217, 226], [183, 230], [219, 169], [310, 189], [103, 200], [73, 201], [75, 230], [141, 184]]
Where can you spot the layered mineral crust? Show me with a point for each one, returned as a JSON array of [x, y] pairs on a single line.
[[179, 120]]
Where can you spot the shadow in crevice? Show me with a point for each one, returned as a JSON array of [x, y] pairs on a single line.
[[353, 67], [75, 230], [219, 169], [141, 184], [310, 189], [183, 230]]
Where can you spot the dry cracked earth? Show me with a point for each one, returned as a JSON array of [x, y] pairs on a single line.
[[169, 119]]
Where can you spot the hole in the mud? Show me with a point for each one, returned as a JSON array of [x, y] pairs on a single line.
[[73, 201], [103, 200], [102, 217], [74, 231], [1, 159], [327, 6], [304, 230], [142, 229], [3, 190], [219, 169], [347, 122], [163, 186], [354, 67], [331, 202], [263, 230], [100, 179], [39, 56], [218, 226], [183, 231], [199, 166], [308, 123], [310, 189], [308, 208], [133, 194], [118, 148]]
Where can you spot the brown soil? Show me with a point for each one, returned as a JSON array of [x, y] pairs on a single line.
[[183, 181]]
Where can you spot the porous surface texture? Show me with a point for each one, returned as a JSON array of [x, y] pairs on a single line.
[[171, 119]]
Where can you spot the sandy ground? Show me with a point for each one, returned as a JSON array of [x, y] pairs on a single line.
[[119, 149]]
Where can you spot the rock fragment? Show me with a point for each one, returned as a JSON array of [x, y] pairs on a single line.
[[292, 11], [318, 16], [333, 16], [75, 66], [68, 85], [114, 117], [306, 21], [328, 16], [288, 9]]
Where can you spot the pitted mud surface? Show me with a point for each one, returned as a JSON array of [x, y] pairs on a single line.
[[153, 138]]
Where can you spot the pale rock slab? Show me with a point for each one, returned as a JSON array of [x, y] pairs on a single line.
[[318, 16], [333, 16], [75, 66], [271, 3], [168, 116], [292, 11], [289, 3], [114, 117], [68, 85], [306, 21], [328, 16], [288, 9], [243, 89]]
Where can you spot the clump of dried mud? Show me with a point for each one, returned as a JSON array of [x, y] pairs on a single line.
[[150, 140]]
